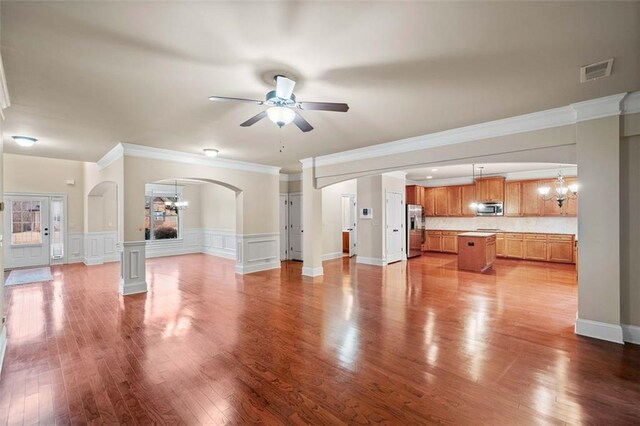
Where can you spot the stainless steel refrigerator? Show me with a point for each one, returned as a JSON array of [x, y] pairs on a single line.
[[415, 230]]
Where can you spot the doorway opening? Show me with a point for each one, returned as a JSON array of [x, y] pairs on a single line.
[[348, 205]]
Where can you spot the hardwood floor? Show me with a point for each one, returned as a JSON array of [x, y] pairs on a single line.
[[423, 343]]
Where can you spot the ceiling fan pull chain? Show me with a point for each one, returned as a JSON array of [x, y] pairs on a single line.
[[281, 143]]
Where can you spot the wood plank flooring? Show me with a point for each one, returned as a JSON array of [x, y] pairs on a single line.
[[415, 343]]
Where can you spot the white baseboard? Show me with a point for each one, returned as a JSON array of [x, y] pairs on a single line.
[[3, 345], [370, 261], [334, 255], [249, 269], [91, 261], [219, 253], [312, 272], [631, 333], [132, 288], [599, 330]]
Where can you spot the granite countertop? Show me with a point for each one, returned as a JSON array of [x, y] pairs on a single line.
[[477, 234]]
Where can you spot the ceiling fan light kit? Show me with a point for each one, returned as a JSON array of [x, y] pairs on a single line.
[[282, 104]]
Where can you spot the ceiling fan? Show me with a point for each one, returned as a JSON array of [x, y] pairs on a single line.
[[282, 104]]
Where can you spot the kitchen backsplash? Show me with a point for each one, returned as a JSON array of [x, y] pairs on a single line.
[[550, 225]]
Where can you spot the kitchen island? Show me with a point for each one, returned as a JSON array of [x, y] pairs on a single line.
[[476, 251]]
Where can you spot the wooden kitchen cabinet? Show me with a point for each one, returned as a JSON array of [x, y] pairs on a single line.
[[570, 207], [467, 196], [414, 194], [560, 248], [529, 198], [449, 242], [500, 245], [513, 245], [441, 201], [512, 198], [429, 201], [490, 189], [434, 240], [535, 247], [453, 201]]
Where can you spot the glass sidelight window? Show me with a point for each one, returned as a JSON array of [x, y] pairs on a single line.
[[25, 223], [57, 228]]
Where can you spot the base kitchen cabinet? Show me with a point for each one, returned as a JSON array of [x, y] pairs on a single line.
[[500, 245], [434, 240], [560, 248], [535, 246], [449, 242], [513, 246]]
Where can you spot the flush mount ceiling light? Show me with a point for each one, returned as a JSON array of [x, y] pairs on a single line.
[[563, 192], [429, 177], [281, 116], [434, 170], [24, 141], [210, 152]]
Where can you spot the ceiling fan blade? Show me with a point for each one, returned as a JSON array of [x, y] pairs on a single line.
[[224, 98], [302, 123], [284, 87], [253, 120], [323, 106]]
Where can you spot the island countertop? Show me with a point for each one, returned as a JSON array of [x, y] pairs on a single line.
[[476, 234]]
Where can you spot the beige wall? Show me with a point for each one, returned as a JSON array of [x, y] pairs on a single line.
[[192, 216], [332, 214], [102, 210], [630, 230], [93, 176], [256, 206], [370, 231], [23, 173], [598, 155], [218, 207]]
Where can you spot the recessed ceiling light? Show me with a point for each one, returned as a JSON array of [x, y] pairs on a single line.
[[210, 152], [429, 177], [434, 170], [24, 141]]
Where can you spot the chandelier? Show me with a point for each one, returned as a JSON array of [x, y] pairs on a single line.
[[176, 205], [563, 192]]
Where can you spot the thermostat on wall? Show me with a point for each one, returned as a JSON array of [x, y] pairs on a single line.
[[366, 213]]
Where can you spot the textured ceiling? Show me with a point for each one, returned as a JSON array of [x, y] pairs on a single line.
[[85, 76]]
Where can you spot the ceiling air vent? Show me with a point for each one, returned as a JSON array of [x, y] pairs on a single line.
[[595, 71]]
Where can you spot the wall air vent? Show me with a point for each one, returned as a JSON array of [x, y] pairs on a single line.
[[595, 71]]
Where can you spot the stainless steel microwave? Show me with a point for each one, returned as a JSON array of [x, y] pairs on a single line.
[[489, 209]]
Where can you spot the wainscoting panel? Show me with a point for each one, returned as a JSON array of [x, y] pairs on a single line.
[[219, 242], [75, 247], [100, 247], [257, 252]]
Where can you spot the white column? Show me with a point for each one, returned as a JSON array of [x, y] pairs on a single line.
[[132, 268], [311, 223]]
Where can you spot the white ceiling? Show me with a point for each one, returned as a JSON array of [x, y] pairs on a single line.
[[488, 169], [84, 76]]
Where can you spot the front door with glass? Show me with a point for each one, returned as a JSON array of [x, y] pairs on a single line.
[[27, 231]]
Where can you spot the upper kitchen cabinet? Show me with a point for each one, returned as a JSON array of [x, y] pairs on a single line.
[[414, 194], [441, 196], [490, 189], [467, 196], [570, 207], [550, 205], [512, 198], [429, 201], [454, 207], [530, 198]]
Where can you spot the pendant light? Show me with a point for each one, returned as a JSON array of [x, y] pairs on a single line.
[[176, 205], [475, 205], [563, 192]]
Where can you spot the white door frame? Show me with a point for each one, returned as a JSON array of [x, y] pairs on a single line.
[[353, 235], [65, 225], [284, 233], [401, 230], [290, 257]]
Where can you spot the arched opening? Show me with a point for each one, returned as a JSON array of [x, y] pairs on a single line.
[[103, 224]]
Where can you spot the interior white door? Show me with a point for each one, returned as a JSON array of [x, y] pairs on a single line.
[[352, 226], [394, 219], [27, 228], [295, 226], [284, 226]]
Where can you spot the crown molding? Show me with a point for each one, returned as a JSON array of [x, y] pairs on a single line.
[[309, 162], [621, 103], [631, 103], [141, 151], [291, 177], [5, 102], [397, 174], [598, 108]]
